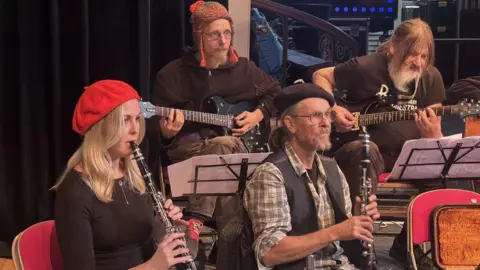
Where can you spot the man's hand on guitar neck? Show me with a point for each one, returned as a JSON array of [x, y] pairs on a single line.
[[246, 121], [344, 119], [429, 124], [171, 125]]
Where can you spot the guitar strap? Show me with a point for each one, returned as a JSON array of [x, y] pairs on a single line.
[[423, 93]]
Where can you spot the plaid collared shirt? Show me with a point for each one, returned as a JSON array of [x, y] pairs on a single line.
[[266, 202]]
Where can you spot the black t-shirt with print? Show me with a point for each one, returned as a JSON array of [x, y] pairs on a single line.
[[366, 77]]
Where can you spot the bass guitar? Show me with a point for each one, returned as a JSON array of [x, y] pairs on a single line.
[[377, 113], [222, 115]]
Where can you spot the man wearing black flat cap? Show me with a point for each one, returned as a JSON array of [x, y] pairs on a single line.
[[298, 201]]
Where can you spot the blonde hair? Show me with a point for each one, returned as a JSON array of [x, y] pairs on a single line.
[[408, 37], [96, 161]]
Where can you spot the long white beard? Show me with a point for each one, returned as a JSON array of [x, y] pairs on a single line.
[[403, 77]]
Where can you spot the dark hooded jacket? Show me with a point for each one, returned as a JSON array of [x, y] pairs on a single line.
[[468, 88], [183, 84]]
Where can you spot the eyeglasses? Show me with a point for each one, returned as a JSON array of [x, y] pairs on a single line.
[[217, 35], [316, 117]]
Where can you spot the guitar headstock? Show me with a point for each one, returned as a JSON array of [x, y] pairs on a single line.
[[467, 108], [148, 110]]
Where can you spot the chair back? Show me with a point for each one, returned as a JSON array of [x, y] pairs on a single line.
[[37, 248], [421, 207]]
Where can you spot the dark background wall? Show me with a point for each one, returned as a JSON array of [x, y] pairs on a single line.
[[50, 50]]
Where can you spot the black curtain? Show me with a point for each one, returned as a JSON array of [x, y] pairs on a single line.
[[50, 50]]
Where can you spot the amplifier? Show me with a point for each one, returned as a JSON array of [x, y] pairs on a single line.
[[410, 12], [380, 9], [441, 15], [357, 28], [469, 52]]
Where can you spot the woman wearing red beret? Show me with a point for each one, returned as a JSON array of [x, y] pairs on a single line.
[[103, 215]]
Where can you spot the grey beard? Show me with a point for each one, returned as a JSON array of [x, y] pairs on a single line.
[[324, 146], [401, 79]]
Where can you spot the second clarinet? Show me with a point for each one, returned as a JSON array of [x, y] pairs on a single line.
[[368, 253], [158, 198]]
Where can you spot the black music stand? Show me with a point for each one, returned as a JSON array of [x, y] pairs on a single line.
[[460, 155], [216, 175]]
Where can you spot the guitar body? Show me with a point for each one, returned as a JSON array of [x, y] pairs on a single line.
[[472, 126], [256, 140]]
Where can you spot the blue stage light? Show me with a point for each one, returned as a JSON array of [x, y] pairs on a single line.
[[380, 9], [345, 9], [372, 9], [337, 9], [390, 9], [364, 9], [390, 1], [354, 9]]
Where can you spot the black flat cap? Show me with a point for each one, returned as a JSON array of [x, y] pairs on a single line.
[[293, 94]]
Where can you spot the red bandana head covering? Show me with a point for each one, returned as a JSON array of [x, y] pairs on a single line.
[[203, 13], [98, 100]]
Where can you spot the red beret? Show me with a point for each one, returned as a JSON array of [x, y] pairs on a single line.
[[98, 100]]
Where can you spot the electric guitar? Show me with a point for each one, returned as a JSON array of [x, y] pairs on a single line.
[[222, 115], [377, 113]]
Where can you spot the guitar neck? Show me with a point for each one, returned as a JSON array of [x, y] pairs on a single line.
[[200, 117], [395, 116]]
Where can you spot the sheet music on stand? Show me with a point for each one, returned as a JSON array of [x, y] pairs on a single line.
[[449, 158], [213, 175]]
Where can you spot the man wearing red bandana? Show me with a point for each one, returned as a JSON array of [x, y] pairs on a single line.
[[211, 68]]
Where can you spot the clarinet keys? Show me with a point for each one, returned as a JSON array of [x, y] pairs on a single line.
[[157, 198], [366, 189]]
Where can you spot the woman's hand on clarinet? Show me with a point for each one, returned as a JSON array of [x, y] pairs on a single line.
[[174, 213], [164, 257]]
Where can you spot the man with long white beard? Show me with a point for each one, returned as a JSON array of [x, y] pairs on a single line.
[[400, 72]]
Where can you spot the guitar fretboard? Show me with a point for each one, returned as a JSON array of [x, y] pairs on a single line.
[[387, 117], [200, 117]]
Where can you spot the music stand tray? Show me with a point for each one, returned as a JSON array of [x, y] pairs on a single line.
[[214, 175], [450, 158]]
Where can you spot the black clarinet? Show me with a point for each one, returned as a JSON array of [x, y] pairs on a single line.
[[368, 253], [158, 200]]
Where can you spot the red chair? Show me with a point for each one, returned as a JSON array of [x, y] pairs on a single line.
[[37, 248], [419, 209], [382, 178]]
